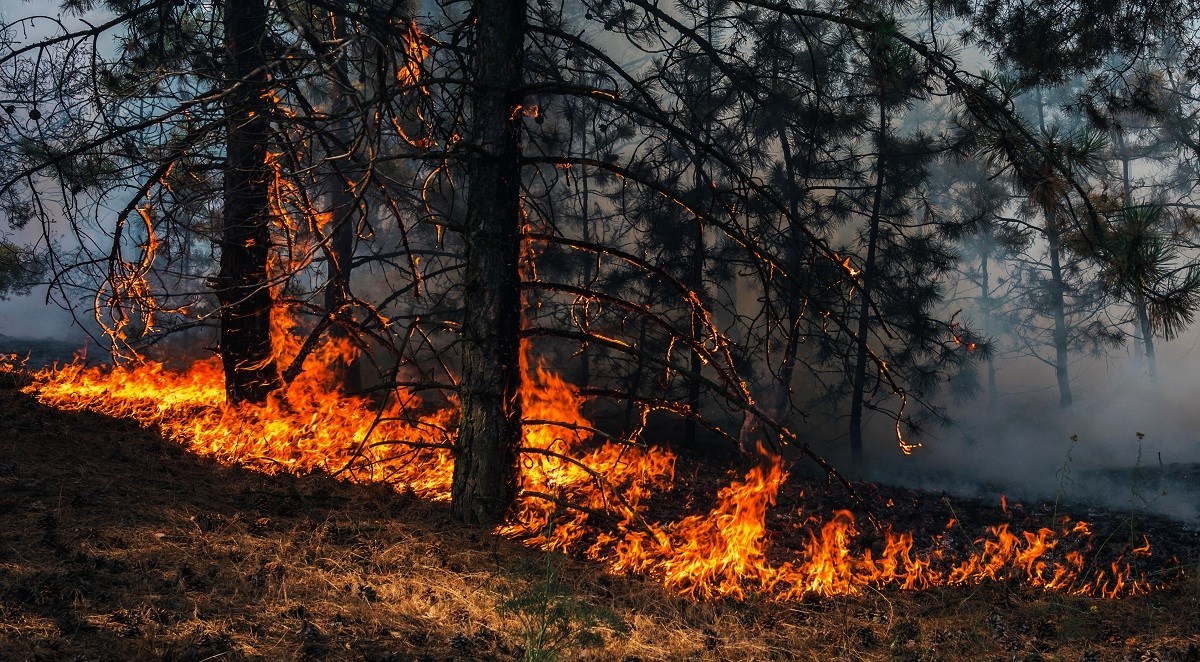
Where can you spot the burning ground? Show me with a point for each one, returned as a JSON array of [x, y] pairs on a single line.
[[117, 540]]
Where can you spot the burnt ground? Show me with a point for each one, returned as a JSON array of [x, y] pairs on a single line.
[[116, 544]]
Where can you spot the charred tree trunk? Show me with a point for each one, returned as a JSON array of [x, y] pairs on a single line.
[[485, 464], [858, 395], [344, 211], [243, 287]]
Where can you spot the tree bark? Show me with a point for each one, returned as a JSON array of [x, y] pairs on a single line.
[[485, 466], [242, 287], [344, 209]]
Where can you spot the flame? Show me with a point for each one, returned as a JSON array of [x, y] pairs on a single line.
[[310, 426], [721, 554], [11, 364], [416, 51], [611, 478], [581, 491]]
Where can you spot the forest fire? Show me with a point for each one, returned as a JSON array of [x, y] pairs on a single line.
[[635, 290], [570, 483]]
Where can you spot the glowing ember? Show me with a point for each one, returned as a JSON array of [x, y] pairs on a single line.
[[569, 481]]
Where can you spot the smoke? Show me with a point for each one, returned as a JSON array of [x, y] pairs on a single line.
[[1126, 443], [30, 317]]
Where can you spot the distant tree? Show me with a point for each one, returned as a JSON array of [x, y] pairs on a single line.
[[1145, 268], [1120, 68], [1055, 285]]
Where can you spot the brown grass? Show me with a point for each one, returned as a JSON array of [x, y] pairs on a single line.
[[115, 544]]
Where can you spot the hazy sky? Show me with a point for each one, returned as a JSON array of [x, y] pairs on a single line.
[[29, 316]]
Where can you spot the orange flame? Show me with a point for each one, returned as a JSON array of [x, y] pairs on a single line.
[[415, 52], [570, 480]]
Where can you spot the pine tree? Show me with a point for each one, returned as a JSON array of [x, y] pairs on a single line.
[[485, 459]]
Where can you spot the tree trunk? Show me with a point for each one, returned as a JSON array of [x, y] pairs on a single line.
[[864, 307], [1139, 328], [1143, 317], [585, 364], [344, 211], [1058, 302], [485, 465], [242, 287], [695, 364], [635, 383], [986, 288], [1057, 286], [695, 279], [787, 369]]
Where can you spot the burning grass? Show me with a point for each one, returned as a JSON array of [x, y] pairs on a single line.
[[117, 544], [586, 497]]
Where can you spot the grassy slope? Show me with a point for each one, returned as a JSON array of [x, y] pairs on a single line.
[[114, 544]]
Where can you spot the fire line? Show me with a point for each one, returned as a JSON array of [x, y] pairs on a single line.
[[311, 426]]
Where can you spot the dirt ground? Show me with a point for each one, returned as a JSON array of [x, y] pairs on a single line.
[[115, 544]]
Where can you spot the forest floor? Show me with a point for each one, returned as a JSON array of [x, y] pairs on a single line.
[[116, 544]]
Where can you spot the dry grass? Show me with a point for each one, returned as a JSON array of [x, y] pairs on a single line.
[[114, 544]]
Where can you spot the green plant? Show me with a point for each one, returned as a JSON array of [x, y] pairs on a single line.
[[1138, 504], [1137, 499], [553, 620], [1064, 475]]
